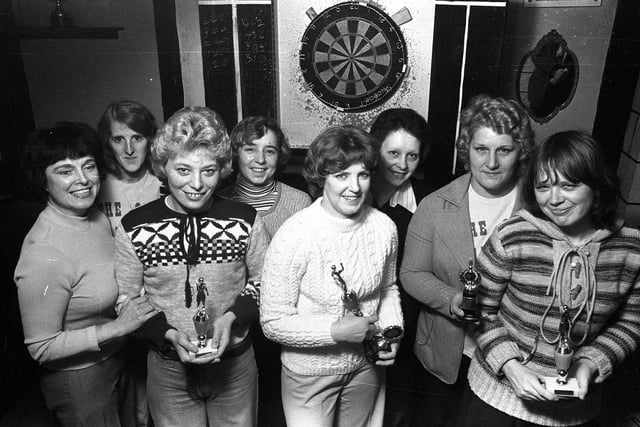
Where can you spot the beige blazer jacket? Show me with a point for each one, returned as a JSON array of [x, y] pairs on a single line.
[[438, 247]]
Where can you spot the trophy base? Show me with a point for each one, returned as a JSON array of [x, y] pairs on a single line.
[[570, 389], [203, 351]]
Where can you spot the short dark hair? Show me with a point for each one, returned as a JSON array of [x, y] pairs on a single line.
[[335, 149], [137, 118], [578, 157], [406, 119], [64, 140], [503, 116], [255, 127]]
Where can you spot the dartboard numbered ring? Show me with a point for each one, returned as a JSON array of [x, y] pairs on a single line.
[[353, 56]]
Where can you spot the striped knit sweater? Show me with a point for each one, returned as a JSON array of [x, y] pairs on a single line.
[[516, 265], [300, 300], [274, 209]]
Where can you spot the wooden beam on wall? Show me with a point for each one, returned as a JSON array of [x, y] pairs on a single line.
[[168, 56]]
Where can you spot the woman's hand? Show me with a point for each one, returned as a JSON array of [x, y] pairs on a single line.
[[134, 312], [186, 349], [583, 370], [455, 306], [352, 328], [222, 334], [526, 383], [387, 358]]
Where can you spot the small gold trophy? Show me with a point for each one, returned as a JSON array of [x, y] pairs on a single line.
[[470, 279], [201, 321], [561, 385]]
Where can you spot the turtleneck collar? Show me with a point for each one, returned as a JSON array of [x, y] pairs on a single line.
[[336, 224], [79, 223], [249, 190]]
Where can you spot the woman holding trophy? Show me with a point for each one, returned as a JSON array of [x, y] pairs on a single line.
[[329, 295], [448, 230], [559, 295], [198, 258]]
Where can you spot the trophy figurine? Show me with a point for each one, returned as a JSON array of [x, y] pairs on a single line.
[[349, 297], [561, 385], [201, 320], [470, 279], [378, 341]]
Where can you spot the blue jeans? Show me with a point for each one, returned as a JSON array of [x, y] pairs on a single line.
[[221, 394], [91, 397]]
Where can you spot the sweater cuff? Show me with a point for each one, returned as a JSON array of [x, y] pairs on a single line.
[[92, 337], [246, 304], [501, 354], [153, 331]]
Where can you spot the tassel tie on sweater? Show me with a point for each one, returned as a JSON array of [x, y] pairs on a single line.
[[190, 241], [569, 269]]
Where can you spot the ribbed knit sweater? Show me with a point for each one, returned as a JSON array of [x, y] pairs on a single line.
[[516, 266], [300, 300], [288, 201], [66, 287]]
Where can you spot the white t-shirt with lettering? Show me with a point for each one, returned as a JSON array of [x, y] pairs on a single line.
[[485, 214]]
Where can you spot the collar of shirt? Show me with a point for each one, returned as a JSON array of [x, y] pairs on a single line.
[[404, 197]]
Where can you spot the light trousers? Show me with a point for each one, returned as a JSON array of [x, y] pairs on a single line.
[[355, 399]]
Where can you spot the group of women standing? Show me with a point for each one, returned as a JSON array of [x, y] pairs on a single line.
[[327, 280]]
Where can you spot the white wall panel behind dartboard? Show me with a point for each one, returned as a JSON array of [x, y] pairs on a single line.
[[345, 62]]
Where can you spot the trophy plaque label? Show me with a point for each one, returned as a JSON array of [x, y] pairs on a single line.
[[570, 389], [203, 351]]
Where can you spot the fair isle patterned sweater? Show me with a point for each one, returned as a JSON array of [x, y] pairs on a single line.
[[516, 265], [300, 300], [150, 253]]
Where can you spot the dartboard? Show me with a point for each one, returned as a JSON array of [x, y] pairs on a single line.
[[353, 56]]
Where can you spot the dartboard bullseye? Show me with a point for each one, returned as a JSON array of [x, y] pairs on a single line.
[[353, 56]]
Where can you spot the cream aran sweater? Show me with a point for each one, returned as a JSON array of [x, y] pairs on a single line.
[[300, 300]]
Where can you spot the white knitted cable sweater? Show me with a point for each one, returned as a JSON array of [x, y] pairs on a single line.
[[300, 300]]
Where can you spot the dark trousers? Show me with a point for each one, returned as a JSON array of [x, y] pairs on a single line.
[[90, 397], [404, 394], [474, 412], [270, 412], [441, 403]]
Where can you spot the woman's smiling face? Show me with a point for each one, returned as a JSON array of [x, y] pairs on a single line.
[[399, 157], [192, 177], [73, 184], [568, 204], [345, 192]]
